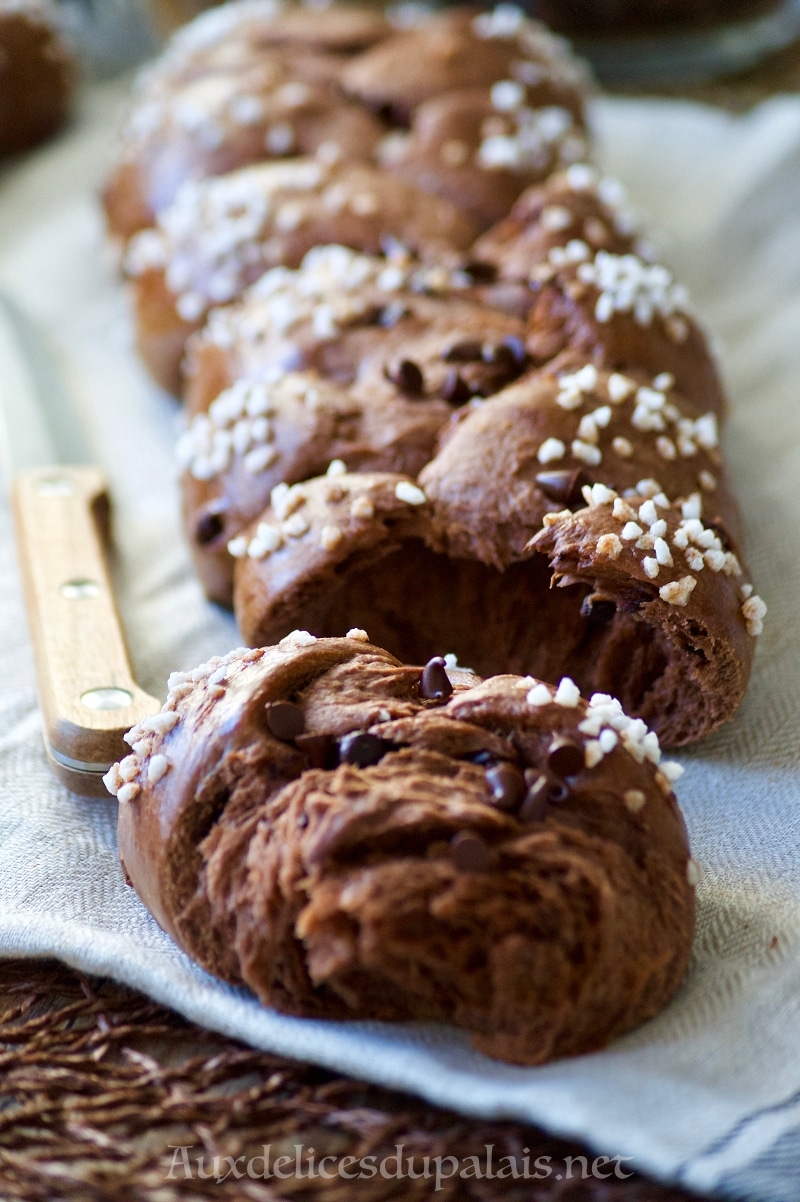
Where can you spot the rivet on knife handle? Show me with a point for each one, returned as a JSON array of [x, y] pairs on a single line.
[[87, 693]]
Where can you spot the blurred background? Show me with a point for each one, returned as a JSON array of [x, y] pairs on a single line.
[[629, 42]]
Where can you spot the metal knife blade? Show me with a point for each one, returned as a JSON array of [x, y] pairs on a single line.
[[36, 412], [87, 694]]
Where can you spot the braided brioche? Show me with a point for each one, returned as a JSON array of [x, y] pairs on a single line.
[[353, 838], [583, 401], [473, 108], [496, 439]]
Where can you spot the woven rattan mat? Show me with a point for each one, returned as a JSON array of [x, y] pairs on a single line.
[[106, 1095]]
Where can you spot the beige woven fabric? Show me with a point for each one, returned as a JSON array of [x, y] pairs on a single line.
[[701, 1093]]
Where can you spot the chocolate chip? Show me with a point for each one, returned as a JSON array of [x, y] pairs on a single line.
[[210, 525], [396, 116], [302, 821], [455, 390], [557, 791], [632, 602], [407, 377], [534, 807], [372, 315], [392, 313], [467, 351], [285, 720], [362, 749], [480, 271], [507, 784], [543, 790], [510, 353], [319, 750], [469, 853], [564, 757], [564, 487], [434, 683], [598, 610], [480, 757], [517, 348]]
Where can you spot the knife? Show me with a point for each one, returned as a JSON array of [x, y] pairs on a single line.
[[87, 694]]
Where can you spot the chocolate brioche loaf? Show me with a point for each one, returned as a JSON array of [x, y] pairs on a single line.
[[472, 107], [569, 436], [353, 838], [411, 415]]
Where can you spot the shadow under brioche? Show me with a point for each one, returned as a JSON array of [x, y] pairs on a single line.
[[354, 838]]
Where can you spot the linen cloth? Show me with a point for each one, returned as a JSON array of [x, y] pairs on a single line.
[[707, 1094]]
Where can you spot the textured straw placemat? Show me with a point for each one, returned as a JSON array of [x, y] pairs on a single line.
[[101, 1090]]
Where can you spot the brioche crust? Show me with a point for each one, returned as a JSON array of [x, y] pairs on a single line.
[[353, 838]]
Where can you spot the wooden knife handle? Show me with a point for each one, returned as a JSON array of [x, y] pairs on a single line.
[[87, 693]]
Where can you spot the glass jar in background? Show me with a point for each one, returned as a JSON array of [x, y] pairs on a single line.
[[628, 42], [671, 41], [108, 35]]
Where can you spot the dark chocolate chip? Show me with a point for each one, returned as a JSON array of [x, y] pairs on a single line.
[[371, 316], [210, 525], [362, 749], [285, 720], [631, 603], [557, 791], [510, 353], [507, 784], [407, 377], [455, 390], [302, 821], [469, 350], [392, 313], [480, 271], [517, 348], [497, 353], [434, 683], [598, 610], [394, 115], [564, 487], [564, 757], [319, 750], [480, 757], [469, 852], [534, 807]]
